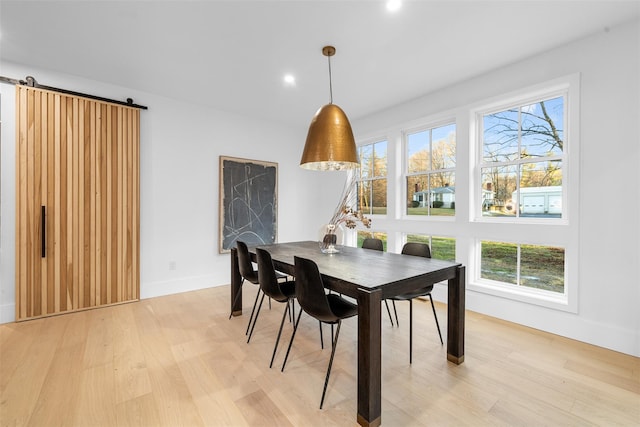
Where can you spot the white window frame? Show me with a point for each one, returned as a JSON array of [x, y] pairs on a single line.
[[449, 120], [406, 234], [517, 291], [525, 97], [373, 141], [558, 232]]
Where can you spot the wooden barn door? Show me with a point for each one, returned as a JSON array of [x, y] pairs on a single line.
[[77, 203]]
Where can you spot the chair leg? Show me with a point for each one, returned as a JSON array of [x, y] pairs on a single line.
[[410, 331], [388, 312], [293, 335], [435, 316], [256, 318], [395, 312], [235, 299], [333, 352], [321, 337], [275, 348], [253, 310]]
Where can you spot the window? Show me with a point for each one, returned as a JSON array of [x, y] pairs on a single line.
[[530, 266], [372, 181], [511, 162], [526, 151], [364, 234], [443, 248], [522, 150], [430, 171]]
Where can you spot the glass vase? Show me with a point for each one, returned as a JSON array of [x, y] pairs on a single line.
[[330, 238]]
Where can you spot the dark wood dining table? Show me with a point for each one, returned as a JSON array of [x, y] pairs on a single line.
[[371, 276]]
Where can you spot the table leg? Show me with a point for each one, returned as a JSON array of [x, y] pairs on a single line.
[[369, 358], [236, 285], [455, 317]]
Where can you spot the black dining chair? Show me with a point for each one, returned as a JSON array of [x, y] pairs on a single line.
[[283, 292], [371, 243], [376, 245], [313, 300], [415, 249], [247, 272]]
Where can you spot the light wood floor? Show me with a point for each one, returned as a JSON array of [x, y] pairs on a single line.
[[178, 361]]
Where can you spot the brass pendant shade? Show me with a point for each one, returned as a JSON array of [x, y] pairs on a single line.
[[330, 144]]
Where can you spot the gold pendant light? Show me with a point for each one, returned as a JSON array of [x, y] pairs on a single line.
[[330, 144]]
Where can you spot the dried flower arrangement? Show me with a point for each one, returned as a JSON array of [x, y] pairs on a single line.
[[331, 235], [344, 212]]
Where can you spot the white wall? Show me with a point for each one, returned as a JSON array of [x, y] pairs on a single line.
[[180, 145], [609, 233]]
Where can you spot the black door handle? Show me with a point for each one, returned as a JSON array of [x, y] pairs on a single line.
[[43, 233]]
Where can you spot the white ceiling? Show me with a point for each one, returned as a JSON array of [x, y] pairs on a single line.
[[232, 55]]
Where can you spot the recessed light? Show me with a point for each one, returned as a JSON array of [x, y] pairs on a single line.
[[289, 80], [394, 5]]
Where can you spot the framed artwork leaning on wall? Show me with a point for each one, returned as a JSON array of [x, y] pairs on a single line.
[[248, 202]]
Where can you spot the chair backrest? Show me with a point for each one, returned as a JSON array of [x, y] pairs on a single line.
[[267, 276], [244, 263], [371, 243], [416, 249], [310, 290]]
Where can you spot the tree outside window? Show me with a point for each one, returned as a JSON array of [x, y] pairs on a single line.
[[521, 170], [522, 159], [372, 181], [430, 174]]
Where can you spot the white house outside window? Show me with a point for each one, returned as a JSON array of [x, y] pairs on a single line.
[[430, 171], [522, 158], [521, 164]]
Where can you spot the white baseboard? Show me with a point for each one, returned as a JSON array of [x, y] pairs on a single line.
[[568, 325], [618, 339], [183, 284]]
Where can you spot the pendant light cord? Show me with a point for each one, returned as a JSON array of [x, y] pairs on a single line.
[[330, 84]]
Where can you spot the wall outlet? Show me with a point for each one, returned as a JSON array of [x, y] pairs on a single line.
[[172, 265]]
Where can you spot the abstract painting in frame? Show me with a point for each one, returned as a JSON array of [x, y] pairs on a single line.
[[248, 202]]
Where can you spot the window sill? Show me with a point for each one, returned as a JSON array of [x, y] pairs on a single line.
[[523, 294], [521, 220], [443, 218]]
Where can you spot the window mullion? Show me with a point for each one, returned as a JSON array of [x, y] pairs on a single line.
[[518, 263]]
